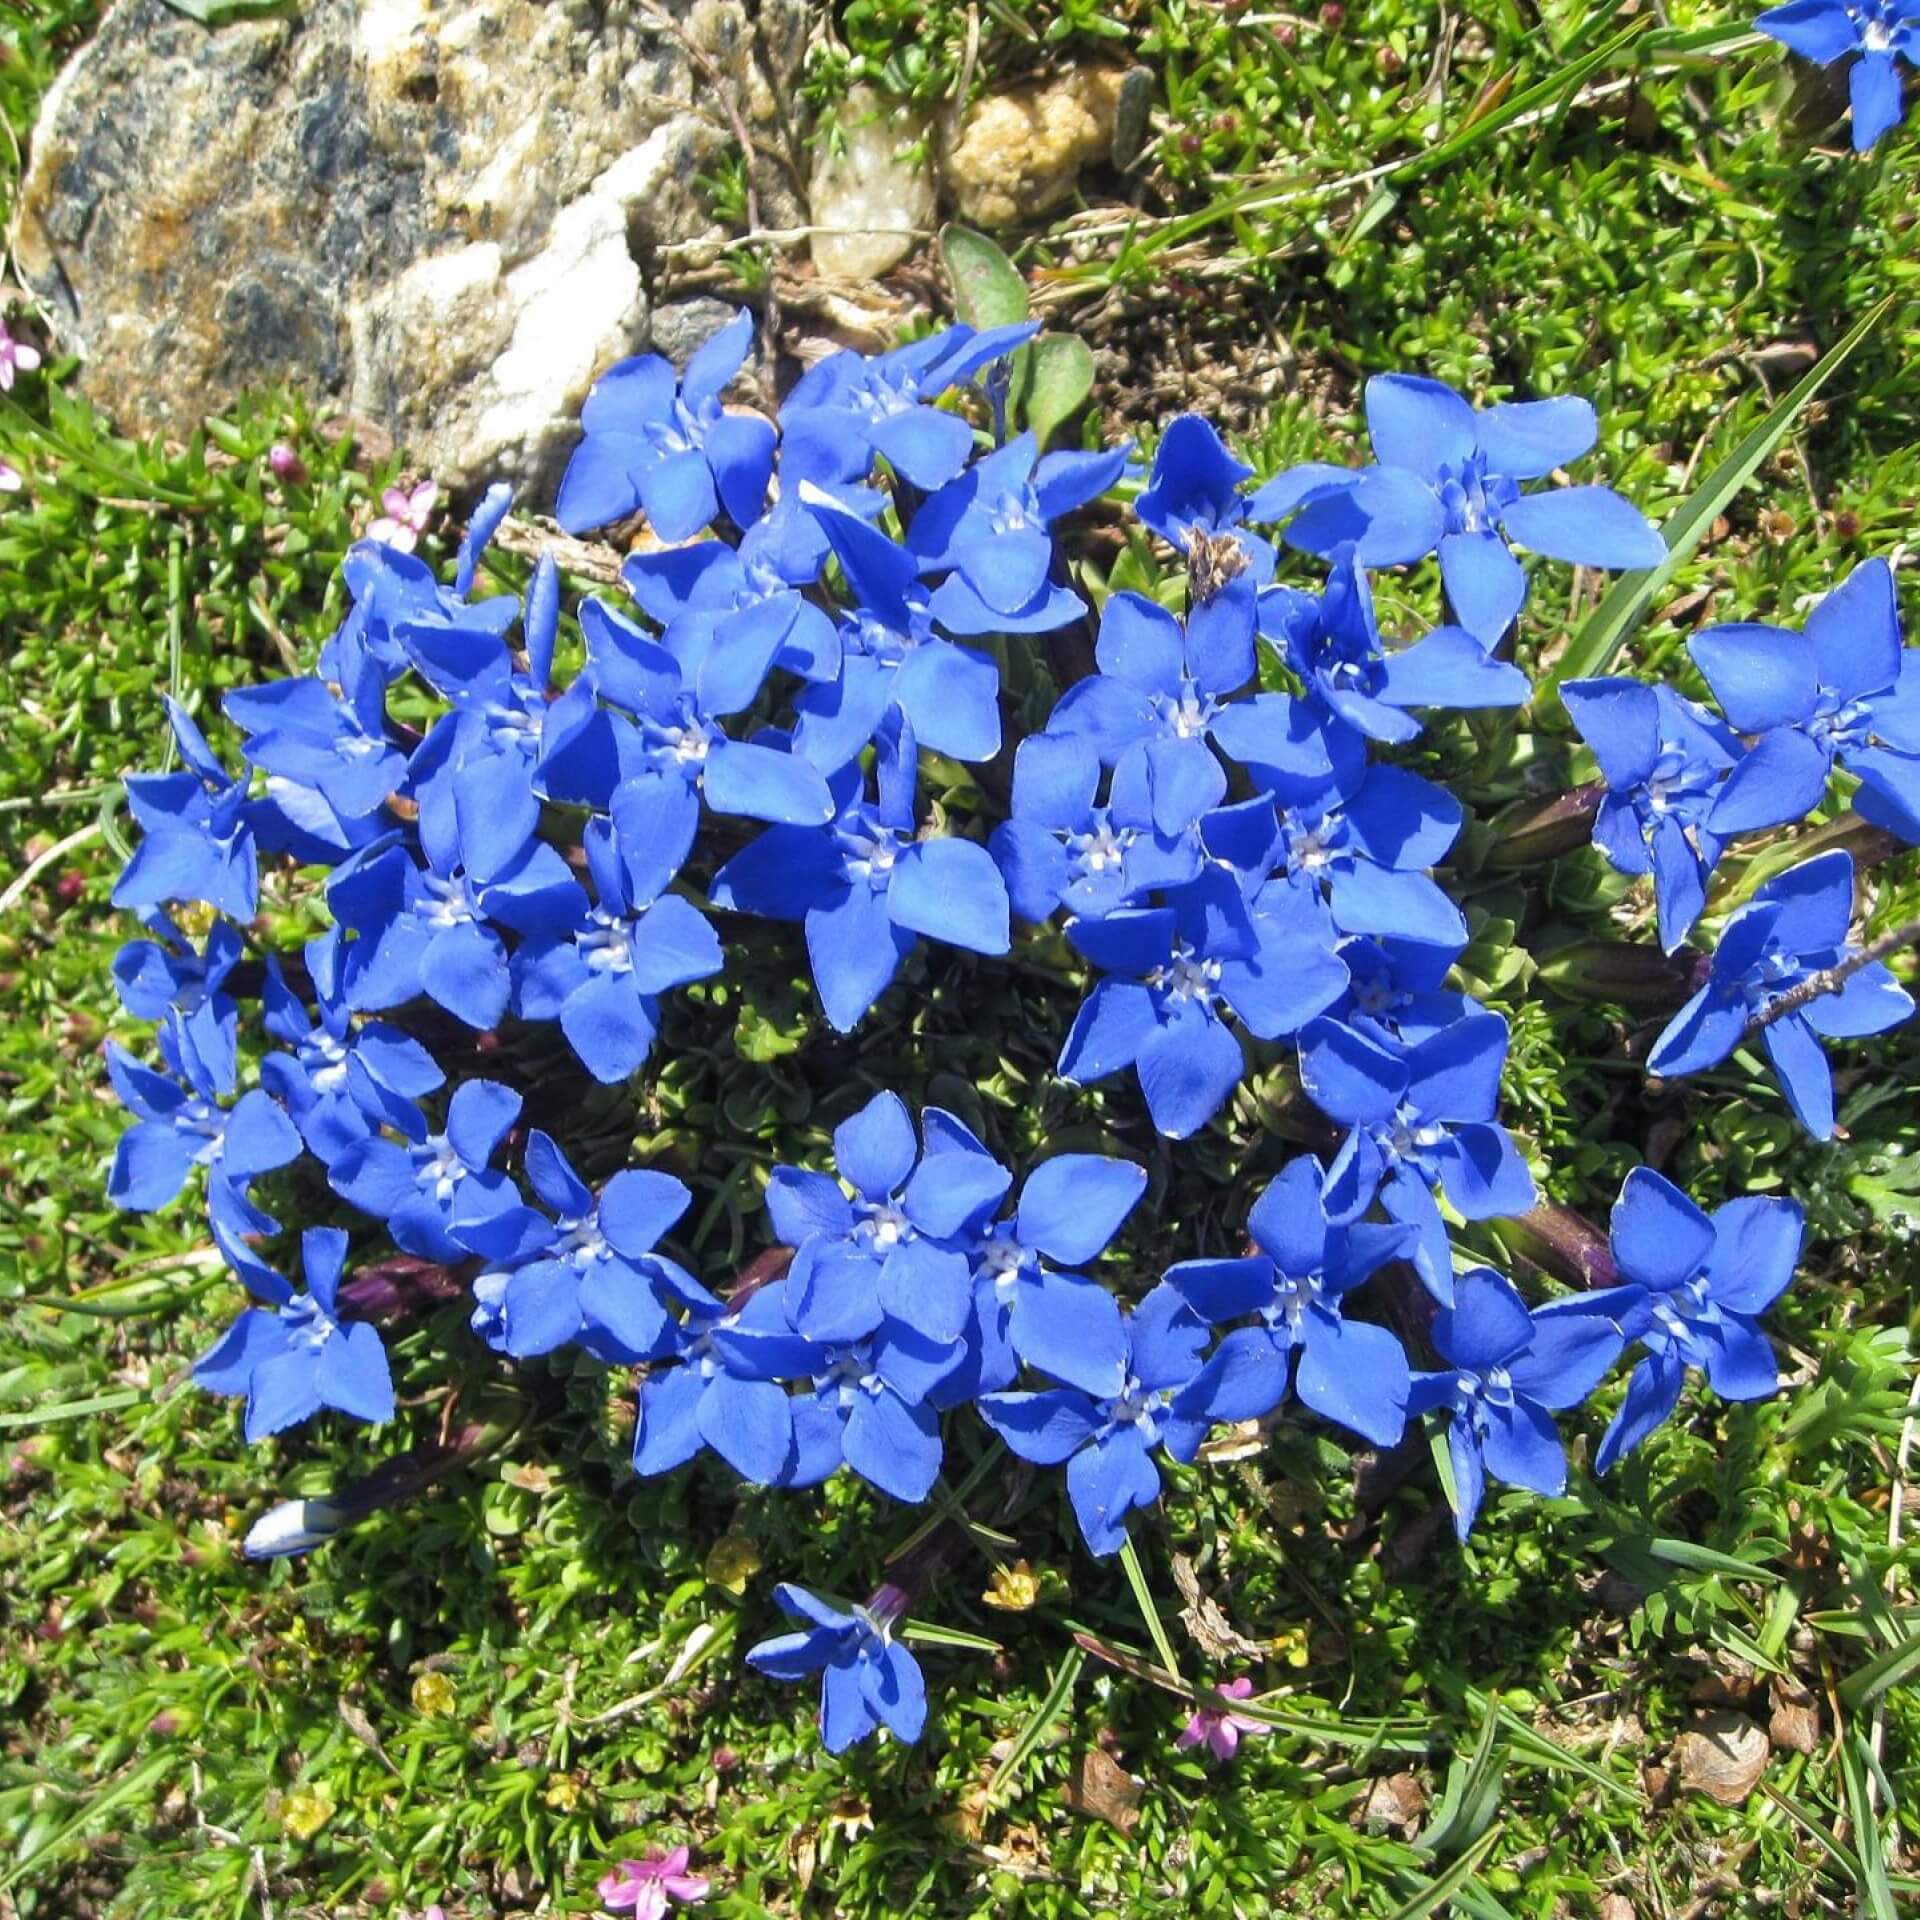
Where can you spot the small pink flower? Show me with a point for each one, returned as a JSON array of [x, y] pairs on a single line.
[[1220, 1728], [405, 517], [287, 465], [15, 357], [648, 1886], [11, 479]]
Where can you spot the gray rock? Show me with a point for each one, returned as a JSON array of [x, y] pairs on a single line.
[[445, 215], [682, 327]]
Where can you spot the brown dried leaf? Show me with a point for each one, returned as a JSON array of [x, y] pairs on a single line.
[[1214, 1634], [1102, 1788], [1395, 1803], [1795, 1722], [1723, 1754], [1614, 1906]]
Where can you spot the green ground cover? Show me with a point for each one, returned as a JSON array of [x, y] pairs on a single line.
[[484, 1696]]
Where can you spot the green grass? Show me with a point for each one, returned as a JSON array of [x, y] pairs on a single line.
[[485, 1695]]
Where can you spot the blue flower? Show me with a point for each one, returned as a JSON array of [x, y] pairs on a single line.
[[990, 532], [1880, 32], [879, 403], [436, 929], [1332, 641], [590, 1274], [891, 658], [391, 590], [1122, 1377], [1691, 1287], [722, 1392], [1507, 1373], [199, 841], [302, 732], [867, 890], [1172, 968], [1419, 1121], [679, 699], [1397, 994], [504, 745], [1061, 848], [885, 1252], [293, 1361], [1795, 925], [1295, 1286], [747, 596], [1068, 1210], [164, 978], [667, 445], [1195, 500], [868, 1679], [602, 974], [873, 1407], [1846, 690], [1358, 842], [1448, 476], [437, 1185], [1664, 761], [340, 1082], [179, 1123], [1158, 700]]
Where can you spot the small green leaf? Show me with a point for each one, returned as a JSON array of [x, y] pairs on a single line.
[[987, 288], [1055, 382]]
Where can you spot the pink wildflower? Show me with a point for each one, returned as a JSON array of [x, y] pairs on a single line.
[[287, 465], [648, 1886], [11, 480], [15, 357], [405, 517], [1220, 1728]]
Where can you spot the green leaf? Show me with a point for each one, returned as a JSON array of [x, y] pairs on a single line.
[[1891, 1668], [1607, 628], [1471, 1796], [1054, 384], [988, 290]]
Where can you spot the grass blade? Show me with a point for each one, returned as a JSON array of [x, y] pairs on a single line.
[[1876, 1894], [1606, 630], [1434, 1894], [1042, 1717], [1890, 1668], [1143, 1597]]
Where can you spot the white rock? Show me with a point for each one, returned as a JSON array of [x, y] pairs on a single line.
[[873, 188]]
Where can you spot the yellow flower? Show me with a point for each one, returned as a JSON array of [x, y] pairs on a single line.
[[732, 1562], [434, 1695], [1014, 1588], [306, 1810]]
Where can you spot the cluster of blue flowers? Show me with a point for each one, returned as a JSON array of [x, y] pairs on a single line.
[[1206, 817], [1682, 781]]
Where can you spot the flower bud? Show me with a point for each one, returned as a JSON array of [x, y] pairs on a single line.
[[286, 464], [1565, 1244], [1632, 976], [1538, 831], [292, 1527]]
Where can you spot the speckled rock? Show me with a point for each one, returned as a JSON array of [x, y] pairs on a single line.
[[445, 215], [1014, 156]]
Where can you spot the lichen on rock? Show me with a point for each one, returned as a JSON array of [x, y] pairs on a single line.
[[442, 214], [1014, 156]]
